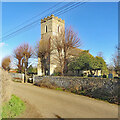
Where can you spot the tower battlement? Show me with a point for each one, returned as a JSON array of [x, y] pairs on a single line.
[[52, 17]]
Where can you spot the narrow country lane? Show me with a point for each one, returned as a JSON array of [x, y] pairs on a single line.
[[66, 105]]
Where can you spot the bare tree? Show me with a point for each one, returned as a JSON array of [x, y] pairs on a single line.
[[71, 41], [59, 51], [22, 53], [110, 68], [6, 63], [116, 63], [100, 54], [18, 54], [63, 45], [27, 53], [44, 50]]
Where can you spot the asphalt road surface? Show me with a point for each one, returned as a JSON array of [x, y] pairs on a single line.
[[51, 103]]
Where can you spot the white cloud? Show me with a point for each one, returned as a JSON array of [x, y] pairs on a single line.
[[2, 44]]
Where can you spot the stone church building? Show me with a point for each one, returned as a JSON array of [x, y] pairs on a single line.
[[52, 26]]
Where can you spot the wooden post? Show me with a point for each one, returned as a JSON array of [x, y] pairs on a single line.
[[25, 69]]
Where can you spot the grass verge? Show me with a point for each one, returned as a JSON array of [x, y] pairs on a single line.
[[14, 107], [60, 89]]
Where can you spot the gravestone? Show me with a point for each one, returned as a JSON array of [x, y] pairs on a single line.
[[110, 75]]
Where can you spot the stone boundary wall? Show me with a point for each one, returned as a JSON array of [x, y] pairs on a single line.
[[101, 88], [37, 78], [17, 76]]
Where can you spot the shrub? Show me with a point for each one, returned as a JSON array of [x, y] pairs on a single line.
[[116, 77], [104, 76], [89, 75], [96, 76], [56, 74], [82, 75]]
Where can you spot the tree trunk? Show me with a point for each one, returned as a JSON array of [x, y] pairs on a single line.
[[19, 65], [49, 57], [91, 72], [65, 61]]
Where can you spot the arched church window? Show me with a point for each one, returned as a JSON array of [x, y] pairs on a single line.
[[46, 28]]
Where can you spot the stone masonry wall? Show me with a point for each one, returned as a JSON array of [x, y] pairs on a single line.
[[101, 88]]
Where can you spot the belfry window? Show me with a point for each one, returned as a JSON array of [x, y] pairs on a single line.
[[46, 28], [58, 29]]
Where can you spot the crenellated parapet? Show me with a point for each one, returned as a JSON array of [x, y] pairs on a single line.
[[52, 17]]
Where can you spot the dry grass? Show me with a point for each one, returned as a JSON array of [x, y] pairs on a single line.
[[5, 88]]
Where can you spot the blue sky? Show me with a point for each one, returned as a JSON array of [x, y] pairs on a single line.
[[96, 24]]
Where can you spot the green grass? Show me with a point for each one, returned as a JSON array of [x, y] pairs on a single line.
[[59, 89], [13, 108]]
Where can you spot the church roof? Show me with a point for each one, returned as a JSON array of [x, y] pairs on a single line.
[[75, 52]]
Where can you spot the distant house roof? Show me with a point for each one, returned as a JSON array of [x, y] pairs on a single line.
[[13, 71]]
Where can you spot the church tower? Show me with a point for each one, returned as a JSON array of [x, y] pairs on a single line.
[[50, 26]]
